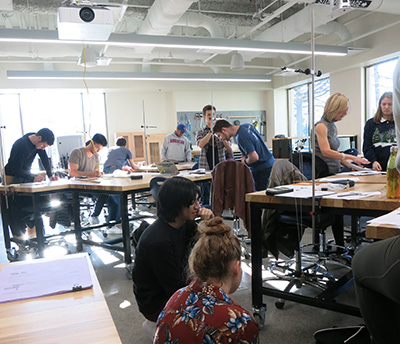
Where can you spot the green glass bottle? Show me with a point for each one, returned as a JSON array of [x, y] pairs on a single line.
[[392, 176]]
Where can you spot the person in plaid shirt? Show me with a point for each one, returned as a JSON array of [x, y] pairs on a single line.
[[213, 150]]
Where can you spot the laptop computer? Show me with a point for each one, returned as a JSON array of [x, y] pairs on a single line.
[[167, 168]]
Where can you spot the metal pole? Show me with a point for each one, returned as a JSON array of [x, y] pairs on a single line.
[[145, 134], [313, 120], [2, 165], [213, 123]]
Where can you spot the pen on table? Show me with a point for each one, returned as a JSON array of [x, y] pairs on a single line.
[[350, 194], [98, 161]]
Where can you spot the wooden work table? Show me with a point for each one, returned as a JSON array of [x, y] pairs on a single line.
[[74, 317], [365, 179], [378, 202], [376, 205], [105, 185]]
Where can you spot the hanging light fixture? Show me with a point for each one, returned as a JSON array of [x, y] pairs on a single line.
[[237, 62], [88, 57]]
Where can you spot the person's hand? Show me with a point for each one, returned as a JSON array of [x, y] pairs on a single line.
[[243, 159], [205, 213], [376, 166], [94, 174], [226, 143], [52, 178], [39, 178], [359, 161]]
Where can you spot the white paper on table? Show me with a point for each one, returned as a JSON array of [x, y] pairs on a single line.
[[354, 195], [330, 180], [25, 281], [366, 172], [304, 191], [193, 173], [393, 218]]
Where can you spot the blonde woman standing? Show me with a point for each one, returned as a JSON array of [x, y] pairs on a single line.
[[327, 141]]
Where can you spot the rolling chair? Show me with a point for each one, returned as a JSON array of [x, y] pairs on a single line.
[[303, 161], [155, 184], [282, 233], [231, 180]]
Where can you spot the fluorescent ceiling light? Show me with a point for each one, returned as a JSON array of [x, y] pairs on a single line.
[[134, 40], [61, 75]]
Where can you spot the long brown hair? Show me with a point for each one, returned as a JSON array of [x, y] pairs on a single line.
[[378, 114]]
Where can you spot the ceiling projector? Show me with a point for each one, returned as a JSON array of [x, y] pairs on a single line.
[[84, 23]]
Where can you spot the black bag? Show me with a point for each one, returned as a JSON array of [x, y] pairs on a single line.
[[138, 232], [343, 335]]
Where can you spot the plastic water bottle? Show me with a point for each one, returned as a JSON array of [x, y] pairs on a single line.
[[392, 176]]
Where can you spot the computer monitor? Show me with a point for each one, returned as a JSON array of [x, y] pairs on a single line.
[[65, 144]]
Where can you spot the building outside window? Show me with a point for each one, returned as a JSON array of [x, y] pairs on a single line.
[[65, 113], [379, 80], [300, 106]]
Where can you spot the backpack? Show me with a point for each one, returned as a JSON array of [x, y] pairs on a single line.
[[343, 335]]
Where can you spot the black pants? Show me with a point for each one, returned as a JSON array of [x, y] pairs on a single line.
[[376, 270]]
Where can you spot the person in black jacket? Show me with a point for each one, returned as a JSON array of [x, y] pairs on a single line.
[[18, 170], [23, 152], [163, 249], [380, 134]]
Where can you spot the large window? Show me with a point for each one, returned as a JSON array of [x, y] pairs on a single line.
[[62, 112], [379, 81], [300, 106]]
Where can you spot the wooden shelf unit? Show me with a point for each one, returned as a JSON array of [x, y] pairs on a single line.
[[136, 144]]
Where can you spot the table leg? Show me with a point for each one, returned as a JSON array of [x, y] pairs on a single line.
[[259, 307], [38, 224], [5, 217], [125, 228], [77, 221]]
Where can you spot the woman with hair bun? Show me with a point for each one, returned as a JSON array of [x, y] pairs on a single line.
[[203, 311]]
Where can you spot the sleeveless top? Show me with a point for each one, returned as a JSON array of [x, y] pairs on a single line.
[[334, 143]]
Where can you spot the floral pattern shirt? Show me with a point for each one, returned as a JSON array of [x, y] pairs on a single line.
[[204, 314]]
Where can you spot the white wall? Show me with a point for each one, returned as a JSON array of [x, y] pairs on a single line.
[[125, 112], [351, 84]]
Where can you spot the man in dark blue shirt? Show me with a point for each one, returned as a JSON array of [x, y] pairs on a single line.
[[254, 151]]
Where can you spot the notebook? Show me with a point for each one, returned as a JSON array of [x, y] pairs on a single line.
[[167, 167]]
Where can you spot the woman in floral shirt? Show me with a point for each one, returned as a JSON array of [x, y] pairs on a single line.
[[203, 312]]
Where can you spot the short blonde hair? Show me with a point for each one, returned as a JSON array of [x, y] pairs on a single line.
[[336, 103]]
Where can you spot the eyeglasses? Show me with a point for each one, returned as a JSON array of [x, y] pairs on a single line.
[[198, 200]]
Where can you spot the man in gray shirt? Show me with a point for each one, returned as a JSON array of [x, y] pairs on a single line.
[[84, 162], [176, 147]]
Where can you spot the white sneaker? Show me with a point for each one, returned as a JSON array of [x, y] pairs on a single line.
[[149, 328], [114, 230], [94, 220]]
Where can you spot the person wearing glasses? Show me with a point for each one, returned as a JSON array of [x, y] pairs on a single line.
[[163, 249]]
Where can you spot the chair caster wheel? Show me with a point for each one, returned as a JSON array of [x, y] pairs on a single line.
[[259, 315], [12, 254], [280, 304]]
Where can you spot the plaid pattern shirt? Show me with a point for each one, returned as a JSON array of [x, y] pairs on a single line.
[[203, 163]]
